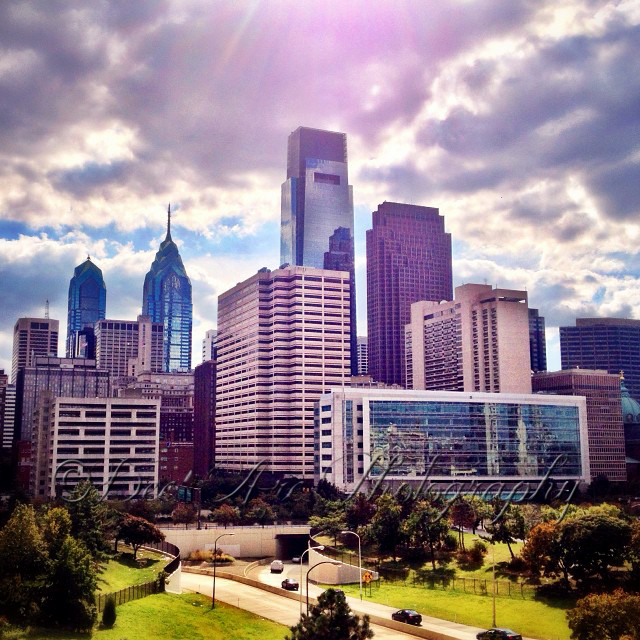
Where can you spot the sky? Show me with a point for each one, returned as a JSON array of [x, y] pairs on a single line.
[[518, 119]]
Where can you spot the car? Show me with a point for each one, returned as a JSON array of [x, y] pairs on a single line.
[[296, 559], [290, 584], [407, 615], [277, 566], [498, 634]]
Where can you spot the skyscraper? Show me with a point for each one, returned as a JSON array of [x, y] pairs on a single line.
[[209, 345], [33, 337], [167, 299], [408, 259], [537, 341], [317, 209], [283, 338], [478, 342], [612, 344], [204, 417], [87, 305], [363, 355]]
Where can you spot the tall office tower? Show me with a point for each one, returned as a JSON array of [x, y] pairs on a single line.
[[127, 347], [317, 209], [112, 442], [605, 428], [612, 344], [4, 381], [537, 341], [204, 417], [408, 259], [64, 377], [166, 298], [33, 337], [283, 338], [9, 416], [631, 419], [363, 355], [87, 304], [209, 345], [478, 342]]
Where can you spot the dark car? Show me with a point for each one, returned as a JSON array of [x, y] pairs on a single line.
[[290, 584], [407, 615], [499, 634]]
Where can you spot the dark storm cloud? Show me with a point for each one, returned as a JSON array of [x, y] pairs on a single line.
[[83, 180]]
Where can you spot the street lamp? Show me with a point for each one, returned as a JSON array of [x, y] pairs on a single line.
[[215, 554], [334, 562], [359, 558], [320, 547], [493, 570]]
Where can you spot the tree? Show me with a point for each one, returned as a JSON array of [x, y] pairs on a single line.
[[634, 547], [69, 598], [92, 521], [331, 619], [55, 527], [109, 612], [331, 524], [385, 528], [508, 527], [137, 532], [225, 515], [605, 617], [23, 564], [426, 527], [360, 510], [462, 516], [260, 511], [327, 490], [184, 513], [539, 551]]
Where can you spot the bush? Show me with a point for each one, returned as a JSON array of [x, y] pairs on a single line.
[[450, 542], [207, 556], [517, 564], [161, 581], [477, 552], [109, 613]]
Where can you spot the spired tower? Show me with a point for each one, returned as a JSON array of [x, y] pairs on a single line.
[[166, 298], [87, 305]]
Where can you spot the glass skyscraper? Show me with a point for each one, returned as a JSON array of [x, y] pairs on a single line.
[[317, 209], [87, 305], [166, 298]]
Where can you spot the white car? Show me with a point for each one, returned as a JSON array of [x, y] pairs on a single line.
[[277, 566]]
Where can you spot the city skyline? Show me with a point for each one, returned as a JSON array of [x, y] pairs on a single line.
[[468, 124]]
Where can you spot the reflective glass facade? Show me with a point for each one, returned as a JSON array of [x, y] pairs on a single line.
[[87, 305], [474, 438], [167, 299]]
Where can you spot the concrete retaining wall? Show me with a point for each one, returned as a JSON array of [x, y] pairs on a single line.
[[247, 542], [334, 574]]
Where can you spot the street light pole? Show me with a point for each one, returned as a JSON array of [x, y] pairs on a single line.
[[359, 558], [215, 555], [334, 562], [320, 547]]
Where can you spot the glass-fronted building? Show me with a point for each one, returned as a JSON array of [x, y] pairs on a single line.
[[365, 436], [87, 305], [166, 298]]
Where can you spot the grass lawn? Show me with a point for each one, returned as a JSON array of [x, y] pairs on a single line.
[[529, 617], [121, 571], [170, 617]]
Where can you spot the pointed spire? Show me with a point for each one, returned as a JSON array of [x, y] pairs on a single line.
[[168, 222]]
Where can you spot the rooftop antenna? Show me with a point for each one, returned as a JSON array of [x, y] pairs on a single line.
[[46, 309], [169, 221]]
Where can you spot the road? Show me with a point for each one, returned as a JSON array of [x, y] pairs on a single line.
[[262, 603], [455, 630]]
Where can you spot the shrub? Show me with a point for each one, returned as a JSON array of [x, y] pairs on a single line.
[[109, 613], [517, 564], [450, 542], [477, 552], [161, 581]]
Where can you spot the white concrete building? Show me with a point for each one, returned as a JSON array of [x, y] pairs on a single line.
[[478, 342], [209, 345], [365, 436], [114, 442], [283, 340]]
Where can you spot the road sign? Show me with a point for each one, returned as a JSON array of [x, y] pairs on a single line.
[[367, 577]]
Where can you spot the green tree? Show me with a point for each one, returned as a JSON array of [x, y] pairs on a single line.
[[426, 527], [137, 532], [331, 619], [331, 524], [184, 514], [23, 564], [71, 583], [385, 528], [634, 547], [508, 527], [360, 510], [55, 526], [462, 517], [605, 617], [109, 612], [260, 511], [225, 515], [92, 521]]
